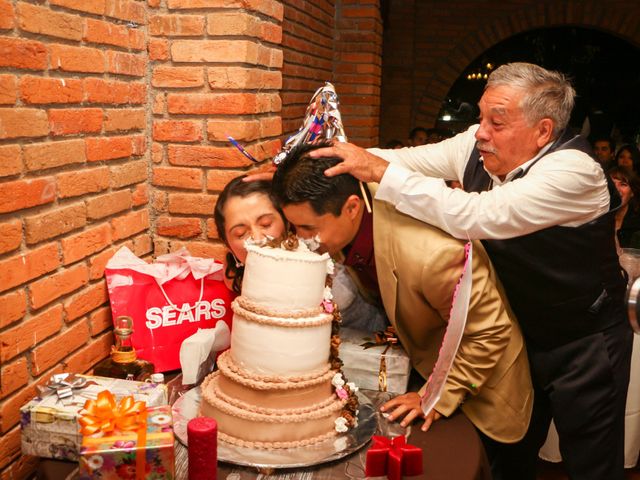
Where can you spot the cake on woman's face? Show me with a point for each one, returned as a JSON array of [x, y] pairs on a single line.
[[280, 385]]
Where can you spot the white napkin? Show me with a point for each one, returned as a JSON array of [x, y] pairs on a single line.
[[197, 352]]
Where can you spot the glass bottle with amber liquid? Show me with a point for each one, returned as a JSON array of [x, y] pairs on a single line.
[[123, 362]]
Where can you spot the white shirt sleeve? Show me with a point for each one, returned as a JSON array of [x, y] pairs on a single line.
[[563, 188]]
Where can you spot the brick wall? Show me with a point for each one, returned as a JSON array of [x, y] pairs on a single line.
[[73, 168], [113, 124], [214, 72], [428, 44]]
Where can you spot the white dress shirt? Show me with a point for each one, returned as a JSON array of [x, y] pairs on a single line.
[[565, 188]]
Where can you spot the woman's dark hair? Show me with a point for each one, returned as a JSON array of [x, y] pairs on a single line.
[[626, 175], [635, 156], [237, 188]]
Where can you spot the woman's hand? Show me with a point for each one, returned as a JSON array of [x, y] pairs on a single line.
[[408, 405]]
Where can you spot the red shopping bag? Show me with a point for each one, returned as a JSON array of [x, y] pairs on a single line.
[[168, 300]]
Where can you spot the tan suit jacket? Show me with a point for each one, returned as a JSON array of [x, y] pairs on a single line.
[[418, 267]]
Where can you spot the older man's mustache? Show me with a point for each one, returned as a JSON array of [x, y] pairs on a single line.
[[485, 147]]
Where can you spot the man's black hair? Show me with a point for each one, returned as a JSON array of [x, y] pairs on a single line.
[[414, 132], [300, 178]]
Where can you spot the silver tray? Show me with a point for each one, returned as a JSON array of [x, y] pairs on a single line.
[[187, 407]]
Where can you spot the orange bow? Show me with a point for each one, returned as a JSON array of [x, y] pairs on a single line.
[[105, 415], [389, 338]]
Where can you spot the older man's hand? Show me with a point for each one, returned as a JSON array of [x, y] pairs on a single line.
[[355, 160]]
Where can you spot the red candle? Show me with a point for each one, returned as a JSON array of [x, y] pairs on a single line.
[[202, 433]]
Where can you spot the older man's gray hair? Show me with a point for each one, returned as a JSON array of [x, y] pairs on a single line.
[[548, 94]]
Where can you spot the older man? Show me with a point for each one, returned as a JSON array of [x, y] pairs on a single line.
[[544, 210]]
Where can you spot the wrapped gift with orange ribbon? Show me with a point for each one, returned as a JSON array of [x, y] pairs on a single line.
[[125, 440], [375, 361]]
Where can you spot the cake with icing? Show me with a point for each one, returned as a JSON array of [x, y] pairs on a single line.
[[280, 385]]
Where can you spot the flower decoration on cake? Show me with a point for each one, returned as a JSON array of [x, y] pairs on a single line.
[[341, 425]]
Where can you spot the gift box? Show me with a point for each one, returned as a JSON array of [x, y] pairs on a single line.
[[126, 441], [375, 361], [49, 422]]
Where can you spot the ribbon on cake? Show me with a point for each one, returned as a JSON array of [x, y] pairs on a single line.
[[387, 337], [393, 458], [452, 335], [104, 415]]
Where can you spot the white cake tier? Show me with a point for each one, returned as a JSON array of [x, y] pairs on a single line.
[[284, 279], [271, 349]]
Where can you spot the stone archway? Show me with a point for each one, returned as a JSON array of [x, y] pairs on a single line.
[[609, 19]]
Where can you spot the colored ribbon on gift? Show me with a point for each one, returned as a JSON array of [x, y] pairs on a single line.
[[105, 415], [387, 337], [393, 458]]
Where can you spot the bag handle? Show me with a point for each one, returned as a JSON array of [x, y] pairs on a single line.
[[173, 304]]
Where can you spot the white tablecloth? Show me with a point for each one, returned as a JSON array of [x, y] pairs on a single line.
[[550, 451]]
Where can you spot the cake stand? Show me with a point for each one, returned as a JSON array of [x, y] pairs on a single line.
[[187, 407]]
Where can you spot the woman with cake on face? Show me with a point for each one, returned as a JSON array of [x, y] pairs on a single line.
[[245, 210]]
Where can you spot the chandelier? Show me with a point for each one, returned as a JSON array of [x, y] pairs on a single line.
[[481, 73]]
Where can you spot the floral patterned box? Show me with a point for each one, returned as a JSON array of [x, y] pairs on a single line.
[[50, 427], [115, 456], [363, 363]]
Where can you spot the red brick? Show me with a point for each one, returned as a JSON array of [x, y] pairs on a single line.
[[59, 284], [177, 77], [157, 152], [104, 91], [10, 160], [126, 63], [241, 130], [77, 59], [29, 333], [6, 15], [212, 230], [126, 10], [176, 25], [159, 104], [241, 23], [138, 145], [128, 173], [108, 204], [98, 262], [41, 156], [10, 235], [160, 201], [206, 156], [52, 351], [271, 9], [8, 89], [270, 126], [137, 93], [140, 195], [24, 467], [71, 121], [19, 53], [37, 90], [88, 356], [100, 320], [89, 6], [177, 131], [13, 306], [72, 184], [199, 51], [179, 227], [89, 299], [23, 122], [10, 409], [220, 103], [26, 193], [218, 179], [158, 49], [130, 224], [123, 119], [192, 203], [216, 251], [98, 31], [55, 222], [108, 148], [88, 242], [177, 177], [35, 19], [12, 376], [142, 245]]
